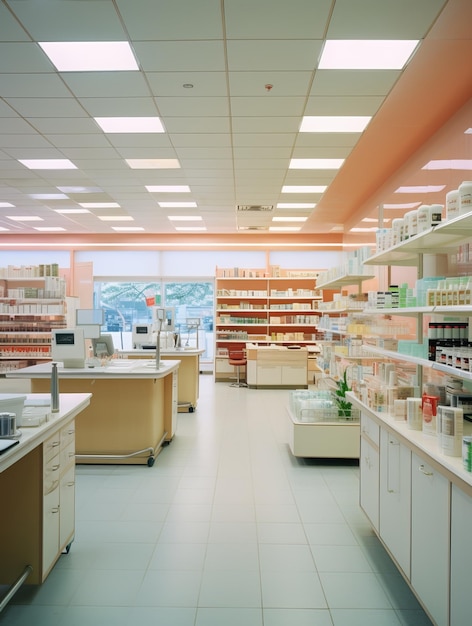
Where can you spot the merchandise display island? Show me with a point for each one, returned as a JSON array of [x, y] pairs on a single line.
[[276, 367], [189, 372], [133, 411], [37, 487]]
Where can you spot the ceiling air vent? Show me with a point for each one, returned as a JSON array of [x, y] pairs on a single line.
[[252, 228], [255, 207]]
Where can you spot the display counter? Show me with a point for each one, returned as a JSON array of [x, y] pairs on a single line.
[[133, 411], [419, 502], [189, 372], [276, 367], [37, 490]]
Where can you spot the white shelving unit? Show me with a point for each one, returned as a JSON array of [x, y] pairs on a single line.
[[280, 310]]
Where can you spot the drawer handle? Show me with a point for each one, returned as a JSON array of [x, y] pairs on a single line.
[[55, 444], [71, 484], [394, 443], [54, 468], [423, 471], [55, 510]]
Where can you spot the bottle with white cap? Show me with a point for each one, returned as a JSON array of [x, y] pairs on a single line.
[[465, 197]]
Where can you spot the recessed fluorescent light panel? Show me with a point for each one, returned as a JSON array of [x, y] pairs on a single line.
[[402, 205], [48, 164], [71, 211], [177, 205], [4, 229], [289, 219], [296, 205], [315, 164], [364, 230], [130, 124], [359, 54], [128, 229], [115, 218], [190, 228], [420, 189], [285, 229], [304, 188], [80, 189], [48, 196], [90, 56], [451, 164], [99, 205], [185, 218], [25, 218], [153, 164], [49, 229], [334, 123], [6, 205], [168, 188]]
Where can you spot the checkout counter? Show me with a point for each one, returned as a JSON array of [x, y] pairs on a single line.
[[189, 372], [133, 410]]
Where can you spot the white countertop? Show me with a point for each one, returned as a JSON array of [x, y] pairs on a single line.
[[70, 405], [116, 368], [172, 352], [420, 442]]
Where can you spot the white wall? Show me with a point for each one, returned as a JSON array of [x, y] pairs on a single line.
[[199, 263]]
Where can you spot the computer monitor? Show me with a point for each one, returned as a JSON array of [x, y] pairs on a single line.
[[103, 346], [142, 334], [68, 346], [90, 320]]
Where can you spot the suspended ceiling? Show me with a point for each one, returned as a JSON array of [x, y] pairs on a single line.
[[232, 135]]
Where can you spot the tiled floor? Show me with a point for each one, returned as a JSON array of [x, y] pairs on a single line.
[[227, 529]]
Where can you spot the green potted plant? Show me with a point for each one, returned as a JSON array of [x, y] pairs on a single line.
[[344, 406]]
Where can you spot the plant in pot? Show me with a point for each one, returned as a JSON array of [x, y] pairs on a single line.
[[344, 406]]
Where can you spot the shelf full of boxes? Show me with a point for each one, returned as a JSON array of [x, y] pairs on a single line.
[[32, 303], [263, 306]]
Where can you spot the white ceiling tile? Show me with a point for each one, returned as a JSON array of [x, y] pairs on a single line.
[[289, 83], [203, 140], [79, 141], [190, 153], [193, 107], [146, 140], [349, 105], [47, 107], [205, 84], [268, 105], [64, 125], [23, 141], [263, 152], [273, 55], [106, 84], [119, 107], [266, 124], [14, 125], [180, 56], [23, 58], [75, 20], [353, 83], [284, 140], [382, 19], [148, 19], [197, 125], [10, 29], [30, 85], [276, 19]]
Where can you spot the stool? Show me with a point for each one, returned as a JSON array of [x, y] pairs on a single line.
[[237, 358]]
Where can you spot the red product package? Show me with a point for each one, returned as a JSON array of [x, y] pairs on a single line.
[[429, 406]]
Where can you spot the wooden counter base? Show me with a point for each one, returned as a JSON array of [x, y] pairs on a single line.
[[125, 422]]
